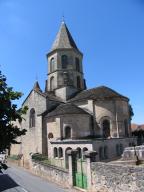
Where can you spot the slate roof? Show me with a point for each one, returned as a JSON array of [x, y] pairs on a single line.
[[97, 93], [52, 97], [63, 39], [65, 109]]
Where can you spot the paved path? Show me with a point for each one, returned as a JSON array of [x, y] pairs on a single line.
[[16, 179]]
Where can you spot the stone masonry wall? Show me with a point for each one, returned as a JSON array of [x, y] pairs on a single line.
[[117, 178], [51, 173]]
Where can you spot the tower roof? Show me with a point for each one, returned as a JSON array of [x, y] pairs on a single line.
[[63, 39]]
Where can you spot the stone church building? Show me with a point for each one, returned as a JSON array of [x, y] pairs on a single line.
[[69, 116]]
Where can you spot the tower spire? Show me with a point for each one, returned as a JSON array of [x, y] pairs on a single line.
[[64, 39]]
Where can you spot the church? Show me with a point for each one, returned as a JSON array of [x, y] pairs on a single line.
[[67, 115]]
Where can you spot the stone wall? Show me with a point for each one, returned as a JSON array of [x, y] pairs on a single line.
[[51, 173], [117, 178]]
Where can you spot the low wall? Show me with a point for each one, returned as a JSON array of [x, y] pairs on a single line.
[[117, 178], [51, 173]]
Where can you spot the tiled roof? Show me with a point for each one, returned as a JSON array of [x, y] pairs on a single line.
[[136, 127], [67, 108], [63, 39], [101, 92]]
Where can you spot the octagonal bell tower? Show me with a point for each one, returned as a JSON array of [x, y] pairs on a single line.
[[65, 70]]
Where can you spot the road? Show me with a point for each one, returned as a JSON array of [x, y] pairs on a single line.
[[16, 179]]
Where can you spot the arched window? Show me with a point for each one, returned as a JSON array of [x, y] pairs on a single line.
[[79, 154], [52, 65], [67, 132], [32, 118], [60, 152], [105, 152], [52, 83], [66, 158], [106, 128], [84, 150], [55, 152], [126, 127], [78, 82], [64, 61], [77, 64]]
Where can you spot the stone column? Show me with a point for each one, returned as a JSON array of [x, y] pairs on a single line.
[[90, 157], [72, 161]]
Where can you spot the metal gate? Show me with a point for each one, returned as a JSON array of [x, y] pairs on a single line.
[[80, 174]]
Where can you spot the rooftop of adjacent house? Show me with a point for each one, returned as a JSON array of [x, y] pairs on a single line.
[[67, 108], [97, 93], [136, 127], [64, 39]]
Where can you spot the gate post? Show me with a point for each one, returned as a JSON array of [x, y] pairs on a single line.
[[90, 157], [72, 166]]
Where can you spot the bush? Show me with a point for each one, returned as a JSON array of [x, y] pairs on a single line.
[[39, 157]]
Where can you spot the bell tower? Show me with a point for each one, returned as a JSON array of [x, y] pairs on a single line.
[[65, 70]]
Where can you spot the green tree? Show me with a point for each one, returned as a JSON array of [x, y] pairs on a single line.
[[9, 114]]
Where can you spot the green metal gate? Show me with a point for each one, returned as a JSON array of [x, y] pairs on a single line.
[[80, 174]]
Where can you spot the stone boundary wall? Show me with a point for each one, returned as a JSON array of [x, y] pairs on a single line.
[[51, 173], [116, 178]]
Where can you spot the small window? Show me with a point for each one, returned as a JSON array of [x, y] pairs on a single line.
[[77, 64], [52, 65], [64, 61], [32, 118], [67, 132], [78, 82], [55, 152], [60, 152]]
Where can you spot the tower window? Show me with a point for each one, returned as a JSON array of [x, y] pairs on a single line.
[[52, 83], [77, 64], [64, 61], [52, 65], [32, 118], [78, 82]]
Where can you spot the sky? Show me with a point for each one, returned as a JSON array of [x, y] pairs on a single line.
[[109, 33]]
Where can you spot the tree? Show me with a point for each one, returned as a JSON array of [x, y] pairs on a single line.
[[9, 114]]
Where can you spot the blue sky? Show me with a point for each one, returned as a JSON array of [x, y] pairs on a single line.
[[110, 33]]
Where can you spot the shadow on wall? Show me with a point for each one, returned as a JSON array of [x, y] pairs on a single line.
[[6, 182]]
